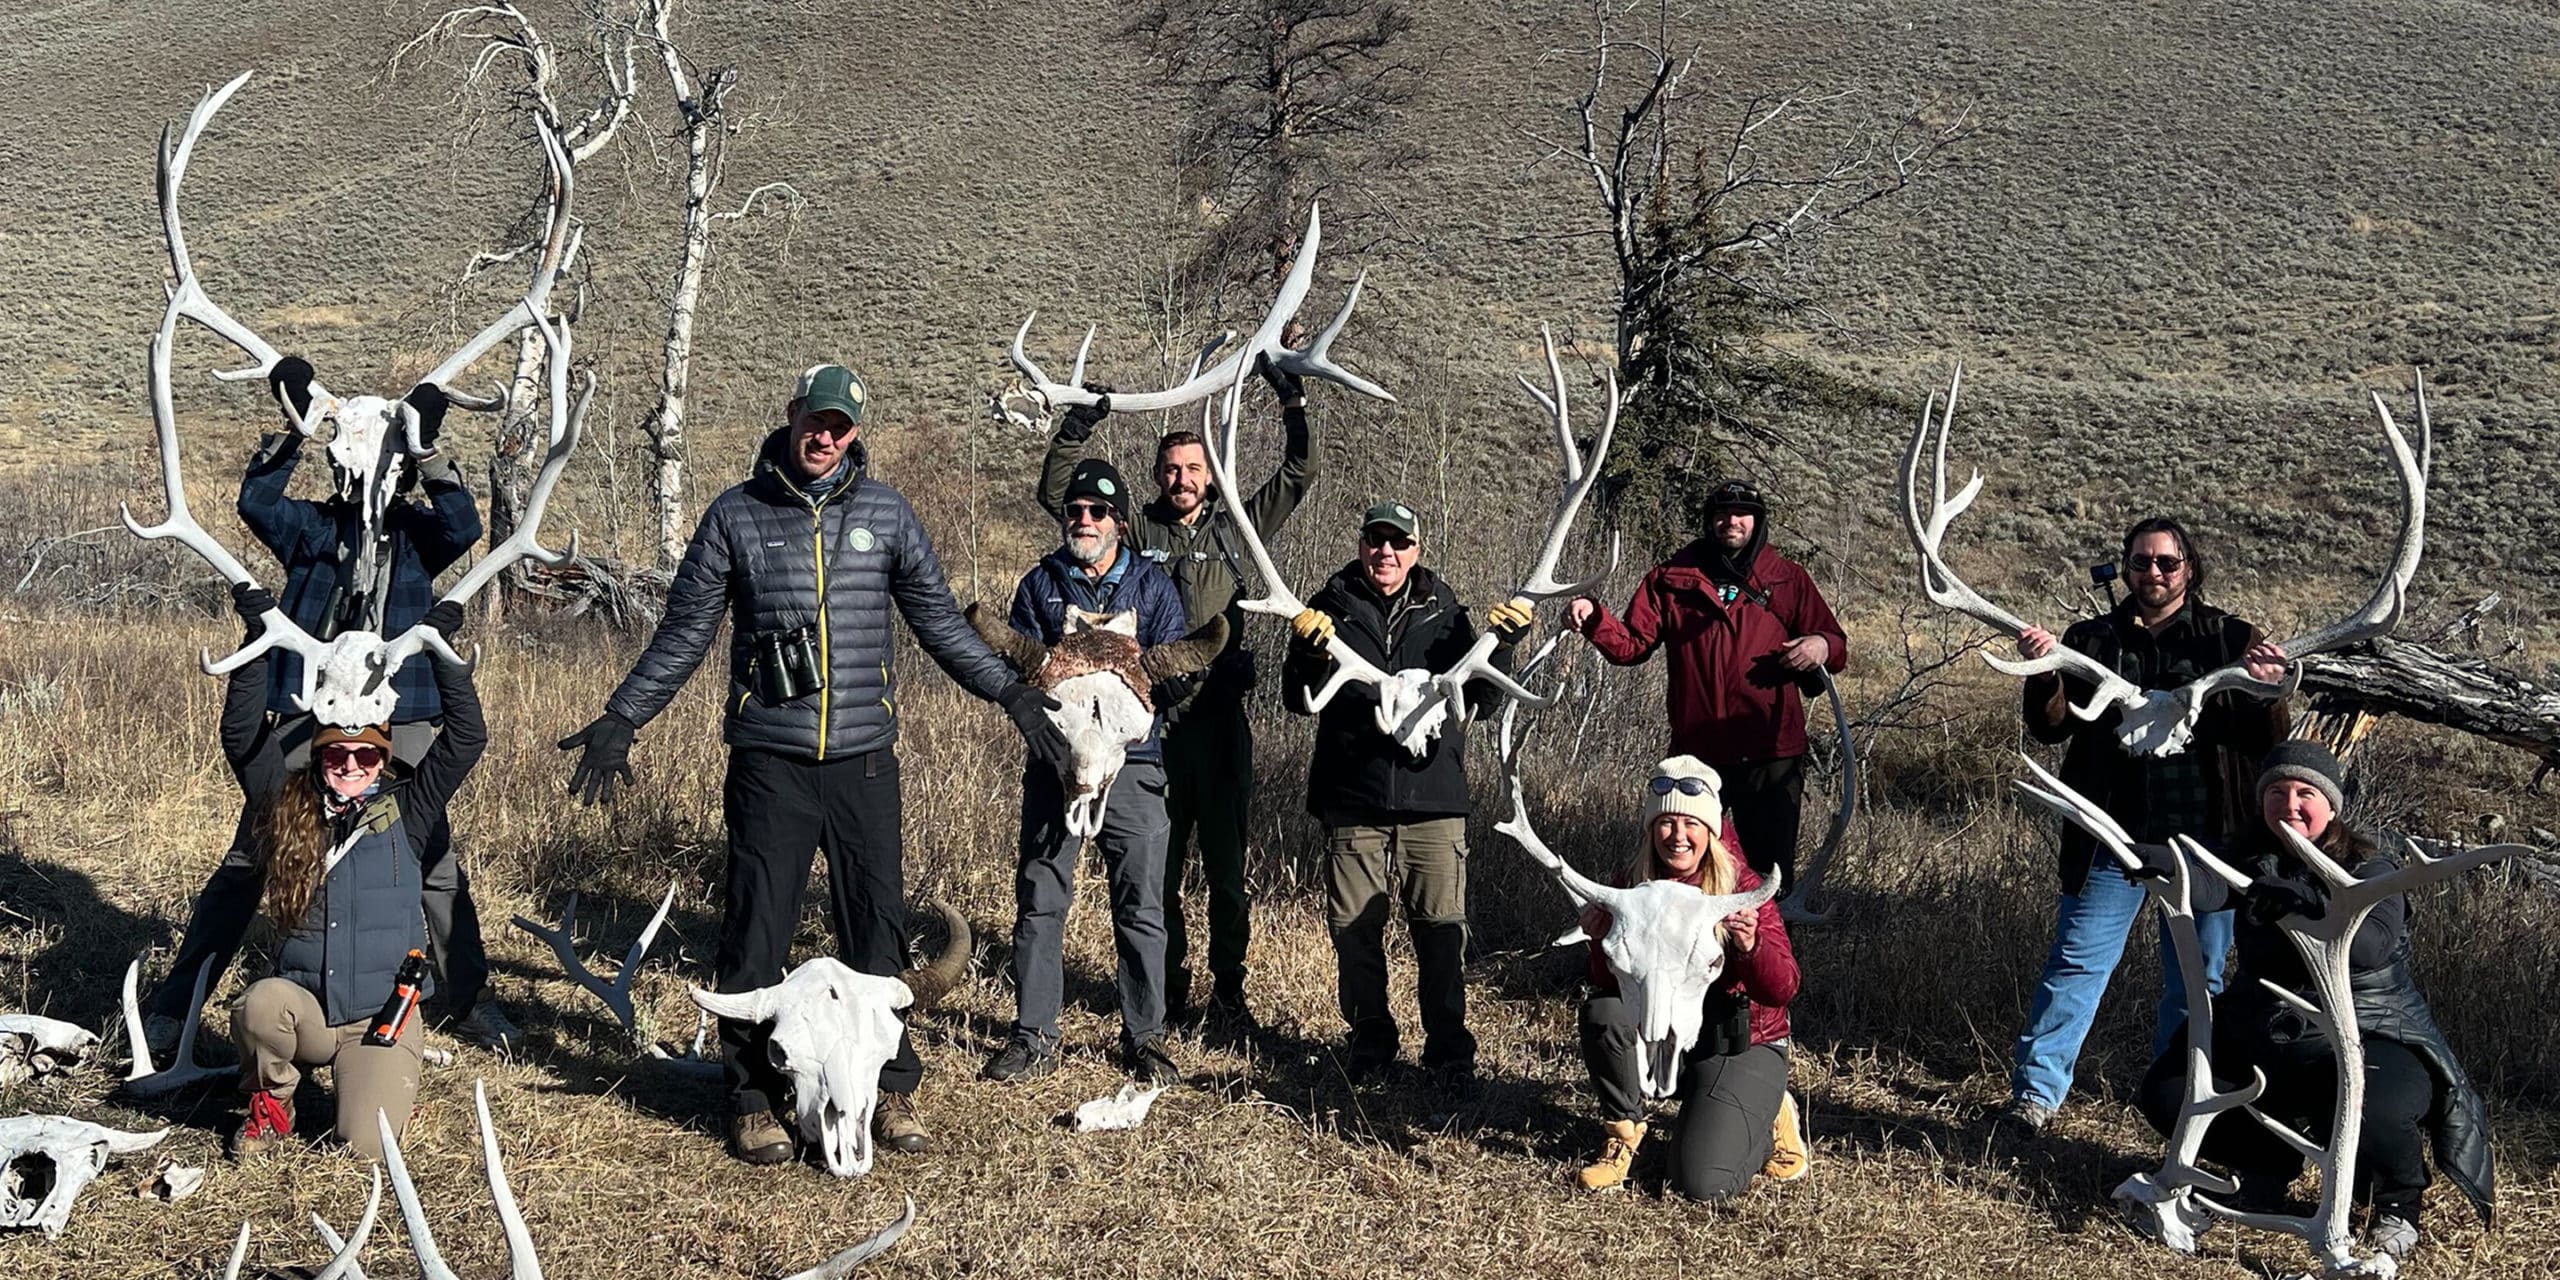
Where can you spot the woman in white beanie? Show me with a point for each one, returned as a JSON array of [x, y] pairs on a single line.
[[1736, 1117]]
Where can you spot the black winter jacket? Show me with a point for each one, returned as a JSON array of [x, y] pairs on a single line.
[[772, 558], [2388, 1005], [2202, 791], [1357, 774], [366, 918]]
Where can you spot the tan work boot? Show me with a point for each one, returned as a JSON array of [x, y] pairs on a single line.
[[1789, 1154], [1610, 1170], [757, 1138], [894, 1124]]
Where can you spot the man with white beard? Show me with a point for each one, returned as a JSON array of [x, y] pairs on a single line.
[[1092, 572]]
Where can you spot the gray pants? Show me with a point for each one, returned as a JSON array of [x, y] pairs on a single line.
[[1728, 1103], [229, 900], [1044, 885]]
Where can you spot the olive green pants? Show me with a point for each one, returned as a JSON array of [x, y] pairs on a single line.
[[1425, 864], [280, 1030]]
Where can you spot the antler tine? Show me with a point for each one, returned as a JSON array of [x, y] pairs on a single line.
[[1939, 581], [141, 1078], [521, 1262], [1581, 888], [2067, 803], [617, 993], [560, 244], [186, 293], [1314, 361], [422, 1238], [1798, 904], [842, 1264], [343, 1254], [2350, 897]]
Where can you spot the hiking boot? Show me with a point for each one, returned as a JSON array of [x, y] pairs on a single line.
[[1021, 1059], [894, 1124], [1228, 1011], [755, 1137], [1609, 1172], [161, 1033], [488, 1026], [1370, 1052], [1149, 1064], [2395, 1236], [270, 1122], [1789, 1152], [2026, 1115], [1454, 1082]]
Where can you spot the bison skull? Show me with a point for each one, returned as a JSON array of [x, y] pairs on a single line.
[[1666, 952], [1100, 678], [46, 1161]]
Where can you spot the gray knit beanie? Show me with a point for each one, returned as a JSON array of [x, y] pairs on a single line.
[[2302, 760]]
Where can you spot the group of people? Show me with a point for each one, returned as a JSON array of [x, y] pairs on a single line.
[[344, 844]]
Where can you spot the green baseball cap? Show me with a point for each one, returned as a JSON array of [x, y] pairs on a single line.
[[831, 386], [1396, 516]]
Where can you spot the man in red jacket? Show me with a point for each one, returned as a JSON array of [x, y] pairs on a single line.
[[1747, 631]]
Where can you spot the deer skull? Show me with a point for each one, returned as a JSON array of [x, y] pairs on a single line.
[[46, 1161], [1099, 676], [833, 1029], [31, 1047]]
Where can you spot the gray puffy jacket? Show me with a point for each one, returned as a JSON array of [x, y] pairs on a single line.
[[774, 558]]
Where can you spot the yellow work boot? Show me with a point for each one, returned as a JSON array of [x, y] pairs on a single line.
[[1610, 1170], [1789, 1154]]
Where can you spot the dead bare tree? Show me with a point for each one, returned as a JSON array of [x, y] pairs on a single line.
[[1288, 99], [1709, 241]]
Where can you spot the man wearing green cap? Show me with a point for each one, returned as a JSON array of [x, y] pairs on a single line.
[[806, 559], [1189, 532], [1386, 809]]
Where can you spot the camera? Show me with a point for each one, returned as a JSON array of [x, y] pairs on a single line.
[[2103, 574], [783, 665]]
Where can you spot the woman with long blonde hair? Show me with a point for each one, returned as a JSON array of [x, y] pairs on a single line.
[[339, 846], [1736, 1118]]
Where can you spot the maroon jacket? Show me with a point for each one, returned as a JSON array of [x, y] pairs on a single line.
[[1766, 976], [1730, 701]]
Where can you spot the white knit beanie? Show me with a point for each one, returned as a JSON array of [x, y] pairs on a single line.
[[1706, 806]]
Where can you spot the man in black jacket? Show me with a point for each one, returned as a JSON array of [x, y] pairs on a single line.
[[806, 557], [1189, 532], [1387, 812]]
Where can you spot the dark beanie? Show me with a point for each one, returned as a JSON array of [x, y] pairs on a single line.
[[1097, 481], [1738, 495], [2302, 760]]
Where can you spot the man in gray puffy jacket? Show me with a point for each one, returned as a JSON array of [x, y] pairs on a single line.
[[806, 557]]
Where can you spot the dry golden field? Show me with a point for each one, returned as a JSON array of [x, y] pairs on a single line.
[[2181, 243]]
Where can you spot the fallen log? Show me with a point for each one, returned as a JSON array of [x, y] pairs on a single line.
[[2412, 681]]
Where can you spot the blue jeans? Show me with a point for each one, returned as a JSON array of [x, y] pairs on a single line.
[[2089, 930]]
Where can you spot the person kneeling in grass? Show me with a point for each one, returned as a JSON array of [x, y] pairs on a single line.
[[339, 848], [1736, 1116]]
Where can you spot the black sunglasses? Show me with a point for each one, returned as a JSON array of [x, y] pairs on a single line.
[[1094, 511], [2159, 564], [1685, 786], [1385, 538]]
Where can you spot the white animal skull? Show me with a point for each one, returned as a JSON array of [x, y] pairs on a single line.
[[31, 1047], [1666, 953], [833, 1029], [46, 1161]]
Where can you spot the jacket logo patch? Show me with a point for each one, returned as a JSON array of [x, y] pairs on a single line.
[[773, 545], [861, 539]]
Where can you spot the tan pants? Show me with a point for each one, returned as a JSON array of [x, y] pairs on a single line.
[[280, 1030]]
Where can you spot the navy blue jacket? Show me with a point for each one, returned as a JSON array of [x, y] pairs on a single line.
[[1041, 599], [316, 543], [366, 917]]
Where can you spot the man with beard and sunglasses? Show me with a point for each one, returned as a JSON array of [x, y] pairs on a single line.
[[1746, 632], [1092, 572], [2161, 636]]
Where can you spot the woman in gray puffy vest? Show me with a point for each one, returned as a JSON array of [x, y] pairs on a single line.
[[338, 847]]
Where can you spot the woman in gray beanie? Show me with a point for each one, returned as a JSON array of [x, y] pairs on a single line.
[[2416, 1094]]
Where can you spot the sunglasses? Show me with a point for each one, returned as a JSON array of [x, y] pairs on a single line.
[[363, 757], [2157, 564], [1685, 786], [1093, 511], [1385, 538]]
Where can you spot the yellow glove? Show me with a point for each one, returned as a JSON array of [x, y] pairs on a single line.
[[1313, 628], [1512, 619]]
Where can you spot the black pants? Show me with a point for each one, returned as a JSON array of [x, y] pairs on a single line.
[[230, 898], [1766, 801], [1728, 1102], [780, 810], [2302, 1082], [1208, 774]]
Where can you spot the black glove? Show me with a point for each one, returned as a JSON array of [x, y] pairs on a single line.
[[1081, 419], [2272, 898], [608, 756], [445, 617], [2159, 862], [1030, 710], [430, 402], [289, 380], [1291, 388], [251, 601], [1172, 691]]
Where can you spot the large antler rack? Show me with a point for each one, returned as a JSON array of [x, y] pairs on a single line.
[[187, 296], [1945, 589], [1798, 906], [1315, 360]]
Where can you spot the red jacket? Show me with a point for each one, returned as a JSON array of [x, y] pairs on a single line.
[[1729, 701], [1766, 975]]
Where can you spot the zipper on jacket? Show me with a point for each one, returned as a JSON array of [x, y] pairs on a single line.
[[826, 647]]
